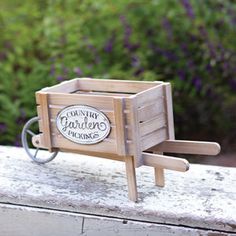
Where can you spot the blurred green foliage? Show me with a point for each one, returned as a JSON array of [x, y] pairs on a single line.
[[189, 43]]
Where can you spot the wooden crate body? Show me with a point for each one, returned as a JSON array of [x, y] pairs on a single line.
[[140, 115]]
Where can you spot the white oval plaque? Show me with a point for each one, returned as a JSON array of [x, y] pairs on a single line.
[[83, 124]]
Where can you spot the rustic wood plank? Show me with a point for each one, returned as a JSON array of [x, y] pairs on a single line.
[[111, 94], [53, 112], [165, 162], [56, 132], [150, 95], [188, 147], [169, 111], [99, 102], [97, 186], [107, 145], [67, 86], [149, 126], [120, 132], [137, 151], [122, 86], [151, 110], [88, 153], [45, 119], [151, 139]]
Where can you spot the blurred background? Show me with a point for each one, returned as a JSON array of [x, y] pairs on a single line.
[[191, 44]]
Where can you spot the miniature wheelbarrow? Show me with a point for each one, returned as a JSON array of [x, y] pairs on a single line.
[[127, 121]]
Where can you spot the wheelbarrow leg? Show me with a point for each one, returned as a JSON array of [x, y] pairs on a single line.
[[159, 174], [131, 178]]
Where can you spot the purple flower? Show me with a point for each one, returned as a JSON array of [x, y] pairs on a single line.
[[60, 78], [232, 84], [135, 62], [202, 30], [197, 83], [181, 75], [52, 69], [208, 67], [65, 70], [212, 49], [78, 71], [167, 26], [127, 33], [17, 141], [109, 44], [3, 56], [3, 128], [191, 65], [184, 48], [92, 49], [188, 8]]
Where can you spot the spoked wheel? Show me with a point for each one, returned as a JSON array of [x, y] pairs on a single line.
[[38, 155]]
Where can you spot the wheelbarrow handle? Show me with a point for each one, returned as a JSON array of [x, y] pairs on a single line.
[[188, 147], [165, 162]]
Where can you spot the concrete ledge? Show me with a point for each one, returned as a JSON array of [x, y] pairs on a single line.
[[76, 194]]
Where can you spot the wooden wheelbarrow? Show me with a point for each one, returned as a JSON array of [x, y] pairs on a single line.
[[127, 121]]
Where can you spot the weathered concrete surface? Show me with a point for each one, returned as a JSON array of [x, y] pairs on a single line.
[[28, 221], [204, 197]]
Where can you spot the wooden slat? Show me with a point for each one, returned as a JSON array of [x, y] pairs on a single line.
[[169, 111], [39, 138], [55, 131], [153, 124], [151, 110], [99, 102], [165, 162], [135, 131], [89, 153], [153, 138], [63, 87], [53, 111], [188, 147], [111, 94], [120, 126], [148, 96], [122, 86], [106, 145], [45, 118]]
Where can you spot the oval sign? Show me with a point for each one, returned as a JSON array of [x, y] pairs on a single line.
[[83, 124]]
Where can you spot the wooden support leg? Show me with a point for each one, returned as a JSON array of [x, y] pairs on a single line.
[[131, 178], [159, 175]]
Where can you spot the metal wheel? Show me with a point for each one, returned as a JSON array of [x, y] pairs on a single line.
[[26, 138]]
